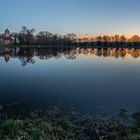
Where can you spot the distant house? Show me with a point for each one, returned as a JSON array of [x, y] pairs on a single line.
[[6, 38]]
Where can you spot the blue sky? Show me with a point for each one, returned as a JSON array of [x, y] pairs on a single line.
[[78, 16]]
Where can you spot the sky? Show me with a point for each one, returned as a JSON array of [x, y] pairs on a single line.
[[72, 16]]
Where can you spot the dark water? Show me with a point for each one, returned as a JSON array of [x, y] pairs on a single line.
[[91, 80]]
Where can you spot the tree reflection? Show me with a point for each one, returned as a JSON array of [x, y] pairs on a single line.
[[27, 54]]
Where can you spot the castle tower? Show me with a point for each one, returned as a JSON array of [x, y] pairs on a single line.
[[7, 35]]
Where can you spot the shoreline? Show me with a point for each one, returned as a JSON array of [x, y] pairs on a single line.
[[74, 46]]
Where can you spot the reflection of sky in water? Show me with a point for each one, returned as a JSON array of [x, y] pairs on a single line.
[[89, 81]]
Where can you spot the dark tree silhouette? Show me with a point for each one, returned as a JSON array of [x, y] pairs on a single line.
[[28, 37]]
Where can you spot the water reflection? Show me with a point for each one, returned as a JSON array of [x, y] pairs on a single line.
[[26, 55], [87, 83]]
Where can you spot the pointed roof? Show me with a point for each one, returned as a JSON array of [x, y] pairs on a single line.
[[7, 31]]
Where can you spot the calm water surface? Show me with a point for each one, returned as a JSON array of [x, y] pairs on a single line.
[[92, 80]]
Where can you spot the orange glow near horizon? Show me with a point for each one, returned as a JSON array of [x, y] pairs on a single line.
[[91, 36]]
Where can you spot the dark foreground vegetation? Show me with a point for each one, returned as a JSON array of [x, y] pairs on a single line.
[[28, 37], [57, 124]]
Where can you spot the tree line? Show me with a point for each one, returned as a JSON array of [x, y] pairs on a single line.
[[28, 37]]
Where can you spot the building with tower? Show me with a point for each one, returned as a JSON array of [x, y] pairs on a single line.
[[6, 38]]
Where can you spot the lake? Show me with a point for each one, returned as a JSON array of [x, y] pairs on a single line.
[[89, 79]]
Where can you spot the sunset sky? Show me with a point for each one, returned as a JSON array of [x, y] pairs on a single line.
[[78, 16]]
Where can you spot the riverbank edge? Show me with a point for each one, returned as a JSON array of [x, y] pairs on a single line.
[[74, 46]]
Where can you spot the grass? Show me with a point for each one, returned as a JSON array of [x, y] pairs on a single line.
[[59, 125]]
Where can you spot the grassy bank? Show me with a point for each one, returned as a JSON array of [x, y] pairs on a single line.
[[58, 125]]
